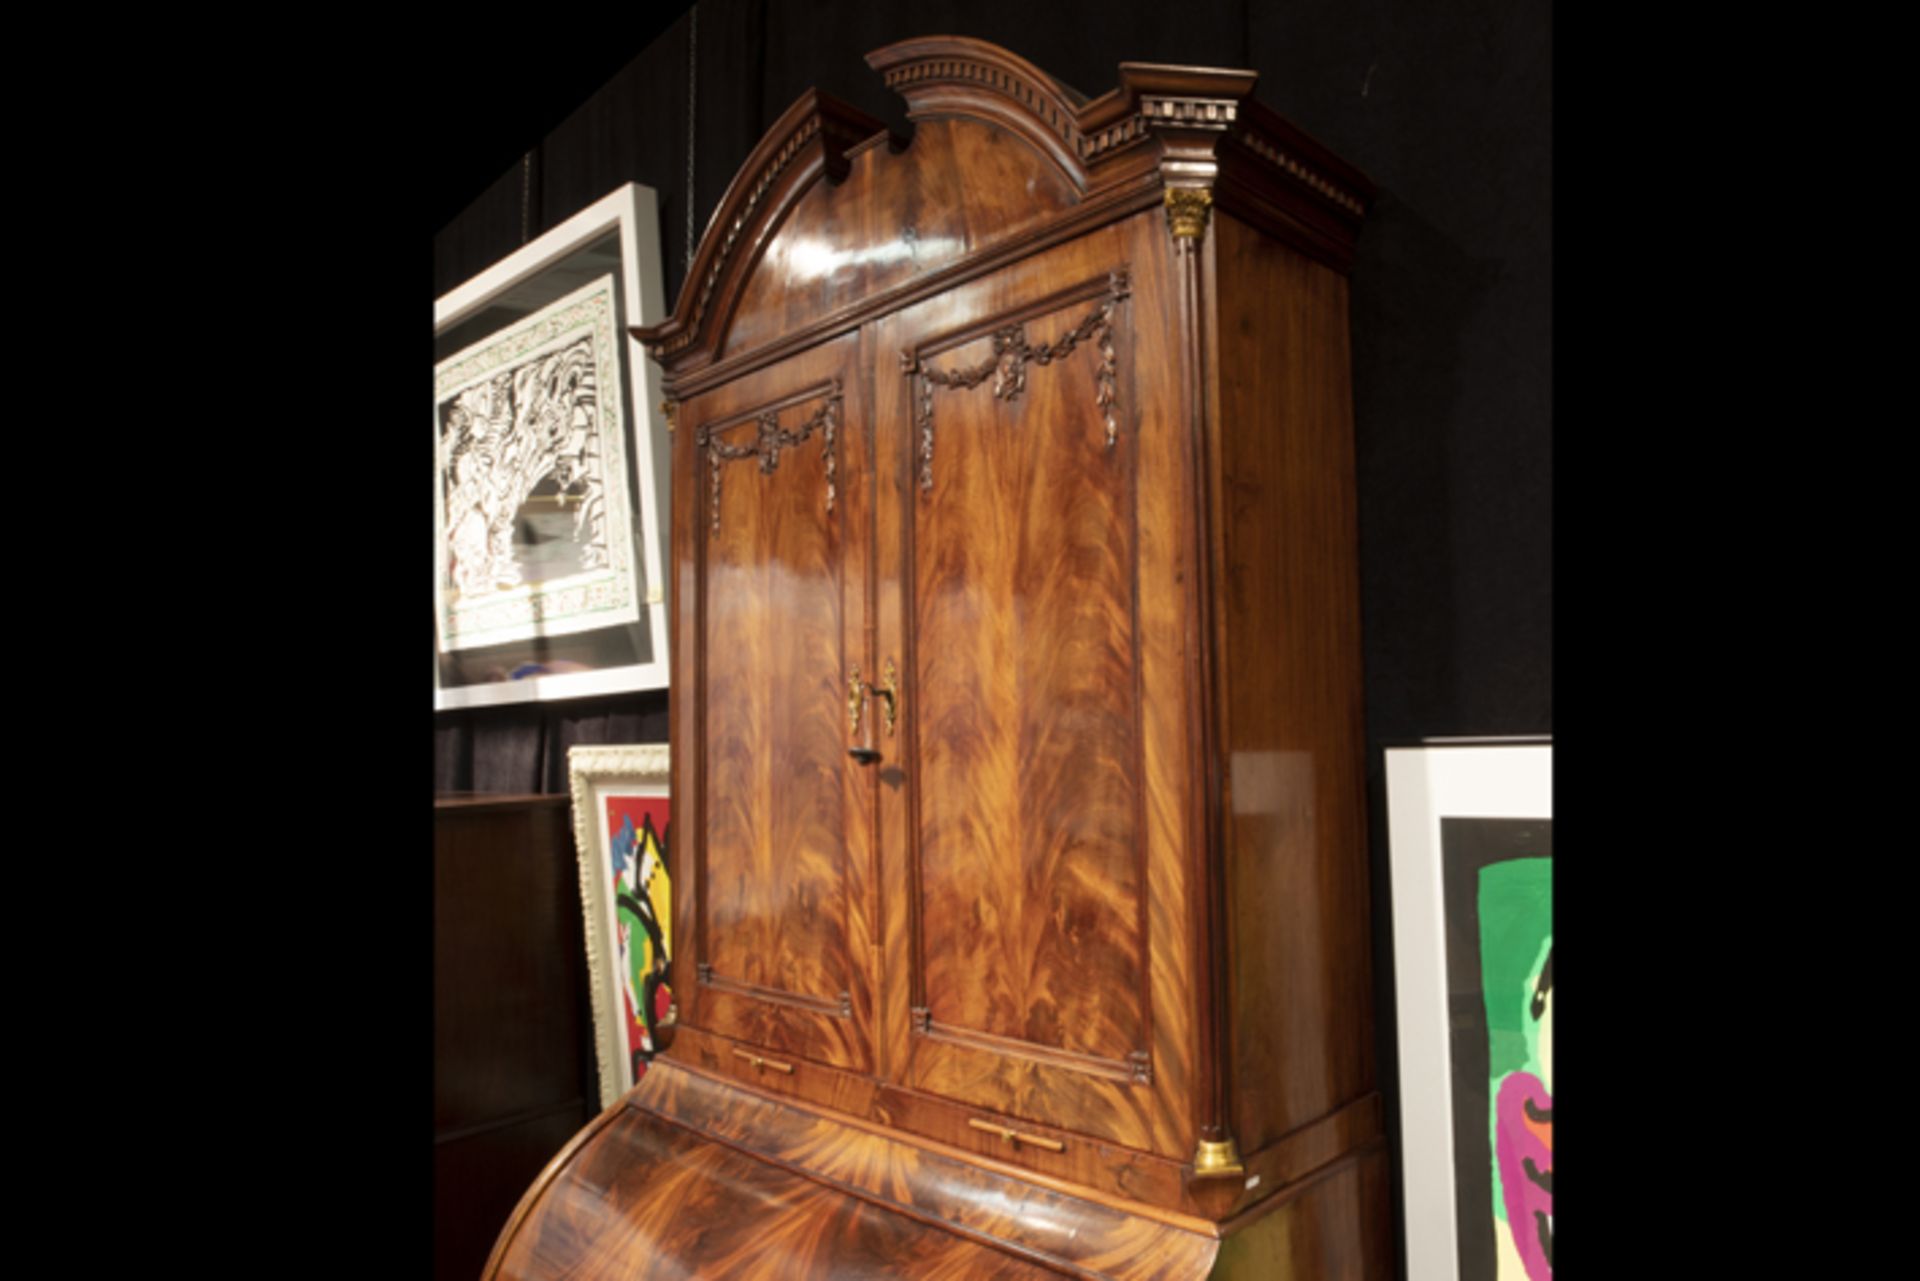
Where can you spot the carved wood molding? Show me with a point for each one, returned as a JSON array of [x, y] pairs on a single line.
[[1135, 1068], [1039, 93], [756, 193], [841, 1006], [1012, 353], [771, 438], [745, 211], [1212, 115], [955, 75], [1343, 195], [1113, 137], [947, 75]]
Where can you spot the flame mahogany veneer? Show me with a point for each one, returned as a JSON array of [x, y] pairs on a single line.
[[1020, 868]]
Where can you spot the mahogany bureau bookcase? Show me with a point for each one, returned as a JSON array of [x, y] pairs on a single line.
[[1020, 869]]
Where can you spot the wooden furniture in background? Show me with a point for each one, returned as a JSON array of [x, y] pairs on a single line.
[[1020, 873], [513, 1070]]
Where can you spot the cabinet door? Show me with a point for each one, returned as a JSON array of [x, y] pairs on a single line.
[[1011, 537], [774, 576]]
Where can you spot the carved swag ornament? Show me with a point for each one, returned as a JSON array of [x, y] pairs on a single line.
[[1012, 352], [771, 439]]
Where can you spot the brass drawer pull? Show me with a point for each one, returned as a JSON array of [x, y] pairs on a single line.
[[759, 1062], [1016, 1138]]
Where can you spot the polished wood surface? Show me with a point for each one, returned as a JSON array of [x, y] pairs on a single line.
[[710, 1211], [1023, 822], [1027, 850], [778, 908], [1034, 429], [1084, 1161], [922, 206], [1289, 688], [806, 1175], [1124, 670]]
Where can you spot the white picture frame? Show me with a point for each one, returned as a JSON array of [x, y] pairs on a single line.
[[542, 655], [1436, 780], [606, 784]]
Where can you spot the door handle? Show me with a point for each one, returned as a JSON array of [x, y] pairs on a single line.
[[858, 692]]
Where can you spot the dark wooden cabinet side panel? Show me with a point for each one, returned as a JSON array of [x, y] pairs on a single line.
[[509, 962], [1300, 990], [513, 1053]]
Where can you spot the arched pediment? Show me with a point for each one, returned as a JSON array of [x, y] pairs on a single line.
[[807, 143], [999, 146]]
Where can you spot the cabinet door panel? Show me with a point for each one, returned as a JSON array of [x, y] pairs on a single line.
[[1028, 856], [783, 849], [1012, 495]]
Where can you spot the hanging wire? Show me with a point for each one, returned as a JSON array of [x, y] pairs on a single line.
[[526, 197], [693, 69]]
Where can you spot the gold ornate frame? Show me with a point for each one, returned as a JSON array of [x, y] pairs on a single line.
[[595, 773]]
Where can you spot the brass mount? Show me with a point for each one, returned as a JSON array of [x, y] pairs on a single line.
[[1187, 209], [1217, 1160]]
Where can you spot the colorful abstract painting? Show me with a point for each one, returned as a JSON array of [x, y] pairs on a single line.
[[1498, 888], [636, 830]]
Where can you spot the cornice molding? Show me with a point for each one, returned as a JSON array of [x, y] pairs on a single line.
[[1191, 124], [1152, 98], [957, 75]]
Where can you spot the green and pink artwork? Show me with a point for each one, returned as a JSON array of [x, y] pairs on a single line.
[[1498, 887]]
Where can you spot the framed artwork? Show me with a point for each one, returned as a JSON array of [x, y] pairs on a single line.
[[620, 828], [1470, 834], [550, 467]]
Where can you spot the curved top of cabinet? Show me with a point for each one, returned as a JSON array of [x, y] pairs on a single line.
[[834, 219]]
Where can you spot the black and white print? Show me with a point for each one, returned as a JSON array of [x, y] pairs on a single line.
[[532, 500]]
